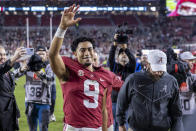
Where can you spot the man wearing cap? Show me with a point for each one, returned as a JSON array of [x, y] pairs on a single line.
[[187, 89], [151, 97], [124, 66], [38, 92]]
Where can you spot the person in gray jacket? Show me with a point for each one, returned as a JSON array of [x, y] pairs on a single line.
[[151, 97], [187, 90]]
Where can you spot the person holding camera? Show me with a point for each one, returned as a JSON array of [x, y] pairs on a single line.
[[176, 67], [188, 88], [124, 66], [39, 81], [151, 97], [9, 112], [180, 69]]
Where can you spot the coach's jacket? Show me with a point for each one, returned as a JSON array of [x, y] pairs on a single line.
[[153, 105], [9, 112]]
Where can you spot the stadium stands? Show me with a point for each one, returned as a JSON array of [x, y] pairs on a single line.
[[145, 35]]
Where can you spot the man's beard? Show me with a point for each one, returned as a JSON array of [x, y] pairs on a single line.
[[155, 77]]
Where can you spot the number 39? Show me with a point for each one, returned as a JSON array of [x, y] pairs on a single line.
[[94, 94]]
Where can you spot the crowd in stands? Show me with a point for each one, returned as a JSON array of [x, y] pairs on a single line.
[[163, 33], [80, 2]]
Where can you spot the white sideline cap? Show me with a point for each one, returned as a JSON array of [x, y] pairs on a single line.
[[157, 60]]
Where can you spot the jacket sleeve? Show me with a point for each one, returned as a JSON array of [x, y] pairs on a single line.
[[112, 57], [18, 73], [175, 109], [123, 101], [132, 61], [5, 67]]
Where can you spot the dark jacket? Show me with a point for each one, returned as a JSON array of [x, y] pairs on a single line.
[[119, 70], [152, 105], [9, 112]]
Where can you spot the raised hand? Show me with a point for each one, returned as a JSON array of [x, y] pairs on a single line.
[[20, 52], [68, 15]]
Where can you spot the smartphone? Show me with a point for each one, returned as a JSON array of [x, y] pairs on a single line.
[[30, 51]]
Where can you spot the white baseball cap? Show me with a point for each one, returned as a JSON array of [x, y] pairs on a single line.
[[157, 60], [187, 56]]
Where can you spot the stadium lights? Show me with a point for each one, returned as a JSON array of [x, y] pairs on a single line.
[[125, 8], [25, 8], [141, 9], [88, 9], [102, 8], [153, 8], [82, 8], [110, 8], [38, 8], [52, 9], [11, 8]]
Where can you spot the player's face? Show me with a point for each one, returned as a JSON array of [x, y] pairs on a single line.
[[123, 58], [42, 54], [84, 53], [2, 55]]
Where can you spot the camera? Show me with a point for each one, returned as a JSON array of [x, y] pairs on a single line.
[[35, 63], [122, 32], [176, 67]]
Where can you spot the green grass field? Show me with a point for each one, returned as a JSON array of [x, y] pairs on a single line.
[[20, 98]]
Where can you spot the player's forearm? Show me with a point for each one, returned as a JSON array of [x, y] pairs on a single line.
[[57, 40], [105, 120], [55, 46], [104, 112]]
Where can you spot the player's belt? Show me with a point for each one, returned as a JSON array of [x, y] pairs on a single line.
[[68, 127]]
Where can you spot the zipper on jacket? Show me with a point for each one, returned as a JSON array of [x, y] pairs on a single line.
[[152, 99]]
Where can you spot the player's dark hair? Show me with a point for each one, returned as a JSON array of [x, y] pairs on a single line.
[[81, 39]]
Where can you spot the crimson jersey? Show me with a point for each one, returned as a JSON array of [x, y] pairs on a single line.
[[83, 94]]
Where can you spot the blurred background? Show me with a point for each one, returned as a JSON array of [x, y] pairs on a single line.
[[154, 23]]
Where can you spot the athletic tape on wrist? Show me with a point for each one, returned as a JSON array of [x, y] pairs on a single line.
[[60, 33]]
